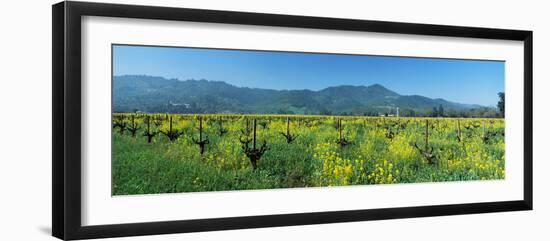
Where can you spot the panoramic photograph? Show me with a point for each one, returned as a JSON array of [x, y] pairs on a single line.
[[203, 119]]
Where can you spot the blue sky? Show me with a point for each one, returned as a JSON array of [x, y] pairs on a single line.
[[464, 81]]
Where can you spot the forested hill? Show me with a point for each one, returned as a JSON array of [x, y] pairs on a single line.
[[133, 93]]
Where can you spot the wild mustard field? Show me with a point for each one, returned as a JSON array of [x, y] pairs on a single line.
[[161, 153]]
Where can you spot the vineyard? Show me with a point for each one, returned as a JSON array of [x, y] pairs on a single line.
[[168, 153]]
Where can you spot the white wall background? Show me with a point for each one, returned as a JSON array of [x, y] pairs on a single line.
[[25, 119]]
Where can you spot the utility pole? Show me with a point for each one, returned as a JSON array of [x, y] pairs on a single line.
[[397, 111]]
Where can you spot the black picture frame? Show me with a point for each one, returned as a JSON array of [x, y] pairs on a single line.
[[66, 76]]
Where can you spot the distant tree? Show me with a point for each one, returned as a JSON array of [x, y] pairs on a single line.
[[434, 112], [500, 103], [406, 112], [490, 113], [452, 113], [371, 113], [325, 112], [472, 113], [440, 111]]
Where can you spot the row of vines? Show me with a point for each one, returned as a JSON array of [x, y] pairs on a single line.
[[158, 153]]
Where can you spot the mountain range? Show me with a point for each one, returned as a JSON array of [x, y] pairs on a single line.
[[157, 94]]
